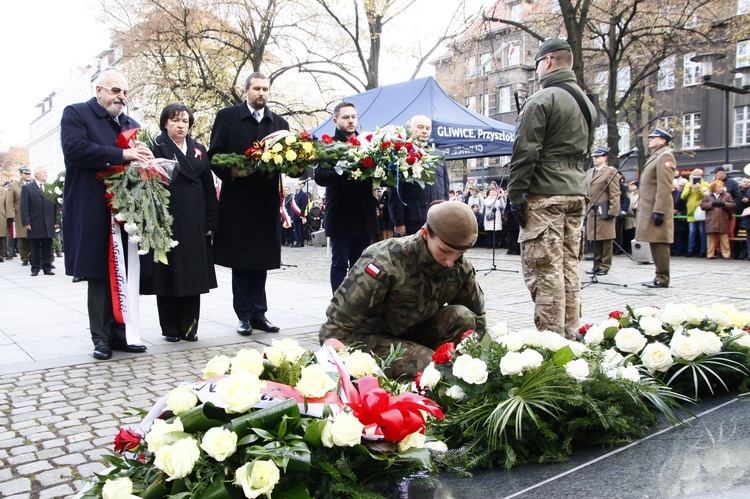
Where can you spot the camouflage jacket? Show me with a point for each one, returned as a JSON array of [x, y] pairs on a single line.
[[395, 285]]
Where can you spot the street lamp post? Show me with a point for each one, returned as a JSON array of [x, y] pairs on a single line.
[[706, 61]]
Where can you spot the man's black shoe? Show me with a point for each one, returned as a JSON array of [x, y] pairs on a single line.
[[263, 324], [655, 284], [244, 328], [129, 348], [77, 279], [102, 353], [48, 272], [26, 263], [34, 273], [172, 339], [191, 337]]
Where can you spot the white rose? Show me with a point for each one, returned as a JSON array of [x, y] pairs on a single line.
[[436, 446], [281, 350], [610, 322], [594, 336], [512, 341], [720, 318], [611, 373], [694, 315], [430, 376], [684, 347], [182, 399], [412, 441], [240, 391], [257, 478], [612, 357], [315, 381], [553, 341], [743, 341], [630, 340], [120, 488], [217, 366], [531, 359], [656, 357], [475, 372], [219, 443], [360, 364], [460, 364], [178, 459], [646, 312], [158, 436], [498, 330], [577, 369], [130, 228], [346, 430], [455, 392], [533, 338], [248, 360], [577, 348], [673, 315], [630, 372], [651, 325], [709, 343], [512, 363]]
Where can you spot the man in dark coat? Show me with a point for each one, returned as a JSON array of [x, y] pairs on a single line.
[[298, 214], [351, 218], [38, 218], [409, 202], [88, 132], [13, 212], [249, 236]]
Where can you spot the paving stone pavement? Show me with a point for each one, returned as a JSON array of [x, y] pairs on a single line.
[[60, 408]]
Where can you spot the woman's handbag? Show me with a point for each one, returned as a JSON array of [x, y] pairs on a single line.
[[699, 215]]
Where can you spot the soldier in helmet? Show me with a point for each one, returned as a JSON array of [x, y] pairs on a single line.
[[417, 290]]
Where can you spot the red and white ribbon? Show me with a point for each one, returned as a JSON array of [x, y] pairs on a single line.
[[125, 283]]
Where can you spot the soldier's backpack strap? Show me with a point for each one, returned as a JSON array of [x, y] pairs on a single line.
[[584, 108]]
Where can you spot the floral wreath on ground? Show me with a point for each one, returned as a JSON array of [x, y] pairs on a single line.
[[282, 423], [530, 396]]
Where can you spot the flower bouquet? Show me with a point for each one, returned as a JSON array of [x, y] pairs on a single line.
[[138, 197], [283, 423], [280, 152], [511, 398], [387, 156], [690, 348]]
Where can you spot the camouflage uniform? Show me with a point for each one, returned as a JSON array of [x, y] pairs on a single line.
[[396, 293]]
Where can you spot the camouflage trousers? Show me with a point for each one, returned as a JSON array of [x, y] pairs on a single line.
[[420, 342], [551, 249]]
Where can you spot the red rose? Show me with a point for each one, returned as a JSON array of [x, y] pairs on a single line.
[[127, 440], [326, 139], [444, 353], [468, 333], [305, 135], [369, 138], [368, 163], [385, 145], [584, 329], [616, 314], [411, 159], [108, 196], [353, 140], [397, 145], [409, 146]]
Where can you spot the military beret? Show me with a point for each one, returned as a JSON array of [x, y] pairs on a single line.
[[454, 223], [24, 169], [551, 45], [600, 151], [658, 132]]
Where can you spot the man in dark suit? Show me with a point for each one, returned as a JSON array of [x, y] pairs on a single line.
[[38, 218], [351, 218], [299, 214], [88, 132], [248, 239]]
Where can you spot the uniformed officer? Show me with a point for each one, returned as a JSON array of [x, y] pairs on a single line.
[[417, 290], [655, 222], [600, 224], [547, 187]]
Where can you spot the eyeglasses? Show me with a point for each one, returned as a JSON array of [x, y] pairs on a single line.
[[117, 90]]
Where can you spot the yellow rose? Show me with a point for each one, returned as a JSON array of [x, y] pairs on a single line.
[[121, 488], [240, 391], [307, 147], [158, 436], [290, 139], [216, 367], [281, 350], [182, 399], [266, 156], [178, 459], [315, 381], [345, 430], [219, 443], [277, 147], [412, 441], [257, 478], [278, 159], [249, 360], [291, 155], [360, 364]]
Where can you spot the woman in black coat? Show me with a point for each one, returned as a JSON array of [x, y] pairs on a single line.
[[195, 209]]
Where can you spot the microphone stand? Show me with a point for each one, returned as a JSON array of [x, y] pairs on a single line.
[[494, 234], [593, 279]]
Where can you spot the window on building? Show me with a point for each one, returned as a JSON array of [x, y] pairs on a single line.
[[666, 74], [471, 103], [664, 123], [516, 12], [743, 54], [691, 71], [514, 54], [485, 63], [741, 125], [743, 6], [485, 104], [691, 130], [505, 100], [471, 67]]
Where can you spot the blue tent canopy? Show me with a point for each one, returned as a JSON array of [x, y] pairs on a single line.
[[463, 133]]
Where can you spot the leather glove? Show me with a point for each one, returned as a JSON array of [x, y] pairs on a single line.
[[517, 210], [718, 203], [658, 219], [10, 220]]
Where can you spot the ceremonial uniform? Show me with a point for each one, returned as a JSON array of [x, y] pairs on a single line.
[[397, 293], [656, 198], [600, 223]]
